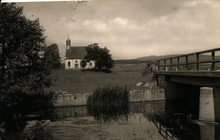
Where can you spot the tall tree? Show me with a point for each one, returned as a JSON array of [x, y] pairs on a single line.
[[25, 70], [101, 56], [52, 56]]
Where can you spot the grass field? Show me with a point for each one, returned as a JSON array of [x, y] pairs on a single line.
[[77, 81]]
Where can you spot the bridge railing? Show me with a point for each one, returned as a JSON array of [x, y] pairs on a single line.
[[170, 66]]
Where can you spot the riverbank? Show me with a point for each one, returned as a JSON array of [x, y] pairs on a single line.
[[152, 94]]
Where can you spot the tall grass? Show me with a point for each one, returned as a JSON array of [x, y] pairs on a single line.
[[109, 103]]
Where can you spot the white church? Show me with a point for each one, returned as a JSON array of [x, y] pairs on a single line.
[[74, 55]]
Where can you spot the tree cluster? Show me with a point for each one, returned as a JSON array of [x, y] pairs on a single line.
[[27, 66], [101, 56]]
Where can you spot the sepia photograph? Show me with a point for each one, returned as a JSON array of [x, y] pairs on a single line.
[[109, 70]]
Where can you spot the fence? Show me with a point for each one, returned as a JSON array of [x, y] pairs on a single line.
[[185, 65]]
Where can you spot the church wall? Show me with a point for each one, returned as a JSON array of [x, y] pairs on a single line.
[[75, 64], [90, 65], [66, 64]]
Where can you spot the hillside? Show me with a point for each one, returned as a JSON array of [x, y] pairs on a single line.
[[133, 61], [154, 57]]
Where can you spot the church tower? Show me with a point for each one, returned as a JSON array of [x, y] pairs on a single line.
[[68, 43]]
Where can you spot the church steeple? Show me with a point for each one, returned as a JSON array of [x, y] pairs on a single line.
[[68, 43]]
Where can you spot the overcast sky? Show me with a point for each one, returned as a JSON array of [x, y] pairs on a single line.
[[131, 28]]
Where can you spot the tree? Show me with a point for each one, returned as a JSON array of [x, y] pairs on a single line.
[[25, 70], [52, 56], [83, 63], [101, 56]]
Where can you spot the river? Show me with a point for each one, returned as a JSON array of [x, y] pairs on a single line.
[[144, 120]]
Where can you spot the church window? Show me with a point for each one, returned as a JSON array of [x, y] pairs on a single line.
[[76, 61], [90, 63], [69, 63]]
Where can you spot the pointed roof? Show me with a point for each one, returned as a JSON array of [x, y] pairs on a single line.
[[68, 38], [76, 52]]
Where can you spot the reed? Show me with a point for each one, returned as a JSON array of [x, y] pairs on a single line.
[[109, 103]]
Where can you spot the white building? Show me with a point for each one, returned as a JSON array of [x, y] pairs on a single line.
[[74, 56]]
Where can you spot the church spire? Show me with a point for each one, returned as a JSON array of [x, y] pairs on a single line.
[[68, 43]]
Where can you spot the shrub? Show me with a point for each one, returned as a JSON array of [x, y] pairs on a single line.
[[39, 131], [147, 70], [109, 103]]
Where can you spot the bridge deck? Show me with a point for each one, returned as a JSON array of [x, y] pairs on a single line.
[[190, 73], [210, 63]]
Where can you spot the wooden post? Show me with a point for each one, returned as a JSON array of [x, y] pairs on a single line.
[[158, 64], [186, 65], [166, 133], [160, 128], [171, 64], [178, 61], [197, 62], [164, 64], [213, 63]]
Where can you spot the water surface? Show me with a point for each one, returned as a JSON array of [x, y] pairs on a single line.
[[144, 120]]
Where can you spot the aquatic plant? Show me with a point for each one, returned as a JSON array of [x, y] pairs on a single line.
[[109, 103]]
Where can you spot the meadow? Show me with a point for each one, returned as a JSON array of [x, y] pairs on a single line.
[[77, 81]]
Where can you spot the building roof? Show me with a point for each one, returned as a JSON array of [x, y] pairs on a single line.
[[76, 52]]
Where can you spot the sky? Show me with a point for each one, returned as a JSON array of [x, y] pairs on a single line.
[[130, 28]]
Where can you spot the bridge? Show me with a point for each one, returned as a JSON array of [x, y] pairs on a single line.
[[194, 80]]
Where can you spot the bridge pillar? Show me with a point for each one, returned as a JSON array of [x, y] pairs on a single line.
[[209, 105]]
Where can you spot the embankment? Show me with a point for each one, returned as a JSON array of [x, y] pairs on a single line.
[[151, 94]]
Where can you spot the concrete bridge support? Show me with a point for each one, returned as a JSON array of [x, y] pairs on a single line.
[[204, 100], [186, 94], [209, 105]]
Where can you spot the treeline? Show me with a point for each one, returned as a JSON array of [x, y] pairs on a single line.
[[134, 61]]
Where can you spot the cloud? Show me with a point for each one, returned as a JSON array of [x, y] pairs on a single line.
[[122, 22], [195, 3], [133, 29], [193, 27], [184, 30], [95, 24]]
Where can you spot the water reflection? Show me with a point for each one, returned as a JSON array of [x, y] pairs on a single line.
[[170, 120], [109, 113]]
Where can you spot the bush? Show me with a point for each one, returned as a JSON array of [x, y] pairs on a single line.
[[147, 70], [109, 103], [38, 131]]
